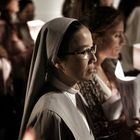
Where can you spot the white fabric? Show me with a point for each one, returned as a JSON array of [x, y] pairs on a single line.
[[136, 56], [129, 59], [133, 27], [130, 89], [119, 73], [112, 107], [34, 27], [130, 98], [6, 68], [70, 93]]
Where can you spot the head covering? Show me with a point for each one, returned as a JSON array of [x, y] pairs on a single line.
[[46, 49], [103, 17]]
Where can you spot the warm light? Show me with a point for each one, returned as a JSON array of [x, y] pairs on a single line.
[[29, 135], [120, 73], [35, 26], [136, 56]]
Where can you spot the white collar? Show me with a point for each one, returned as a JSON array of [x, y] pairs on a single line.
[[63, 87]]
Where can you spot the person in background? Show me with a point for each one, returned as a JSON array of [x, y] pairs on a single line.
[[26, 13], [78, 8], [102, 92], [9, 9], [19, 54], [8, 117], [102, 95], [131, 9], [67, 8], [26, 10], [54, 107], [127, 7]]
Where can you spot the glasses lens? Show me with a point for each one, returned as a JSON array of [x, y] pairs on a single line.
[[86, 53]]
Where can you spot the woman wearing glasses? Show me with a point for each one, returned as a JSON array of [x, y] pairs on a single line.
[[64, 54]]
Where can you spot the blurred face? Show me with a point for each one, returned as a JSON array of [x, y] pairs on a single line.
[[113, 40], [13, 6], [28, 13], [106, 2], [79, 62]]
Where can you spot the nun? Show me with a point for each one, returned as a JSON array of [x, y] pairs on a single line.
[[54, 108]]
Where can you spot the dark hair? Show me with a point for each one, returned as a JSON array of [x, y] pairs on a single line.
[[3, 52], [127, 6], [101, 18], [4, 12], [24, 3], [80, 7], [3, 4], [68, 36], [67, 8]]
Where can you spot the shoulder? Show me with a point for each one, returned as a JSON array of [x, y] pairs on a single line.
[[134, 16], [44, 118], [50, 101], [136, 10], [46, 105]]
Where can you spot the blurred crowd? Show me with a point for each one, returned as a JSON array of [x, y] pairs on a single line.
[[16, 45]]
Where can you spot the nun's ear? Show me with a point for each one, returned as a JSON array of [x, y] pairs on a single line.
[[59, 64]]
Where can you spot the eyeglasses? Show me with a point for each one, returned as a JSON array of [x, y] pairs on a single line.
[[84, 54]]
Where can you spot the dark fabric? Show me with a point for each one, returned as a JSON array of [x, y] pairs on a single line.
[[102, 128], [9, 118], [84, 109]]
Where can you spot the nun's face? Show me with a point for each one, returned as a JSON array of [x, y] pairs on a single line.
[[79, 63]]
